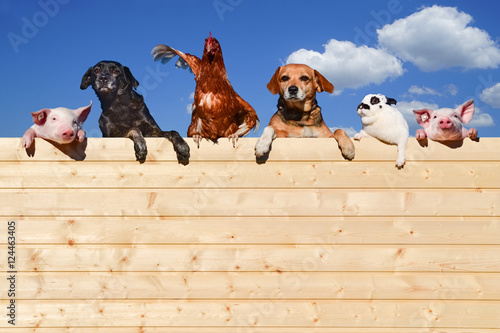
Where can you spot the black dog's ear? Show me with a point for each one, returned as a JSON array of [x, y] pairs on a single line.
[[130, 77], [391, 101], [86, 79]]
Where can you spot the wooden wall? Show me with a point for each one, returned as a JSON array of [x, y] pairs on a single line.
[[306, 242]]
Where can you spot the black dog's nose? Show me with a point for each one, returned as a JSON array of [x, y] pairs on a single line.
[[103, 78], [293, 90]]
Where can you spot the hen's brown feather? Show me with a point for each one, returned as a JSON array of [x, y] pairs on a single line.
[[218, 111]]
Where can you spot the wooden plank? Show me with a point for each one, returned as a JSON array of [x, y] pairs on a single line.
[[241, 174], [226, 313], [256, 286], [121, 149], [249, 202], [276, 329], [253, 258], [257, 230]]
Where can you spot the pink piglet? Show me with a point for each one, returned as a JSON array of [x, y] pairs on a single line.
[[446, 124], [60, 125]]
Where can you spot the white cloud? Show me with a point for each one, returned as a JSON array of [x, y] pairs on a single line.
[[451, 89], [415, 90], [347, 66], [189, 107], [481, 120], [406, 108], [491, 96], [350, 131], [439, 37]]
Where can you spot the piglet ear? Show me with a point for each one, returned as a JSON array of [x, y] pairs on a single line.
[[423, 117], [83, 112], [466, 110], [40, 117]]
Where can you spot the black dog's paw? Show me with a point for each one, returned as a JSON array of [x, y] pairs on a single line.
[[141, 158], [182, 149], [141, 151]]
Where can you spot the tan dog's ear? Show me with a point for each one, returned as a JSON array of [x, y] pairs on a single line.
[[323, 84], [274, 84]]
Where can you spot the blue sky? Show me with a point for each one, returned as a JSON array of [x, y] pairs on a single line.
[[422, 53]]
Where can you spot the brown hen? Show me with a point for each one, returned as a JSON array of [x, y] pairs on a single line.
[[218, 111]]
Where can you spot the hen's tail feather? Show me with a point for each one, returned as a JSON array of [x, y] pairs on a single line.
[[181, 63], [163, 52], [166, 53], [257, 125], [244, 128]]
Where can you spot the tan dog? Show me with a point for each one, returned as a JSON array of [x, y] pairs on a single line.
[[299, 115]]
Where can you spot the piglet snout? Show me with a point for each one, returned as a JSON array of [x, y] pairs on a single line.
[[68, 135], [445, 123]]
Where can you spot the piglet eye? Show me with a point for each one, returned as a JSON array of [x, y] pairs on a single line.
[[285, 78], [304, 78]]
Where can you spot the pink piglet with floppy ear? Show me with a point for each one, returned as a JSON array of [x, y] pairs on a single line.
[[446, 124], [60, 125]]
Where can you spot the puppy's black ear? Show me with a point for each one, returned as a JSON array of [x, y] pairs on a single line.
[[86, 79], [130, 77], [391, 101]]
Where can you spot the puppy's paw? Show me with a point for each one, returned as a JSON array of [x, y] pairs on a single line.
[[357, 137], [400, 163]]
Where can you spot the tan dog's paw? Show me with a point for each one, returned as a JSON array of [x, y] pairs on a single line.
[[345, 144], [347, 150], [264, 143]]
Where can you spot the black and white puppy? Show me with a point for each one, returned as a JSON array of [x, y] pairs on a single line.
[[124, 113], [381, 120]]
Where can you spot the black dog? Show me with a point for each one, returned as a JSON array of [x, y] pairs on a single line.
[[124, 113]]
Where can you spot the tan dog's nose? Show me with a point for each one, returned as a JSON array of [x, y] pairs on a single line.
[[293, 90]]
